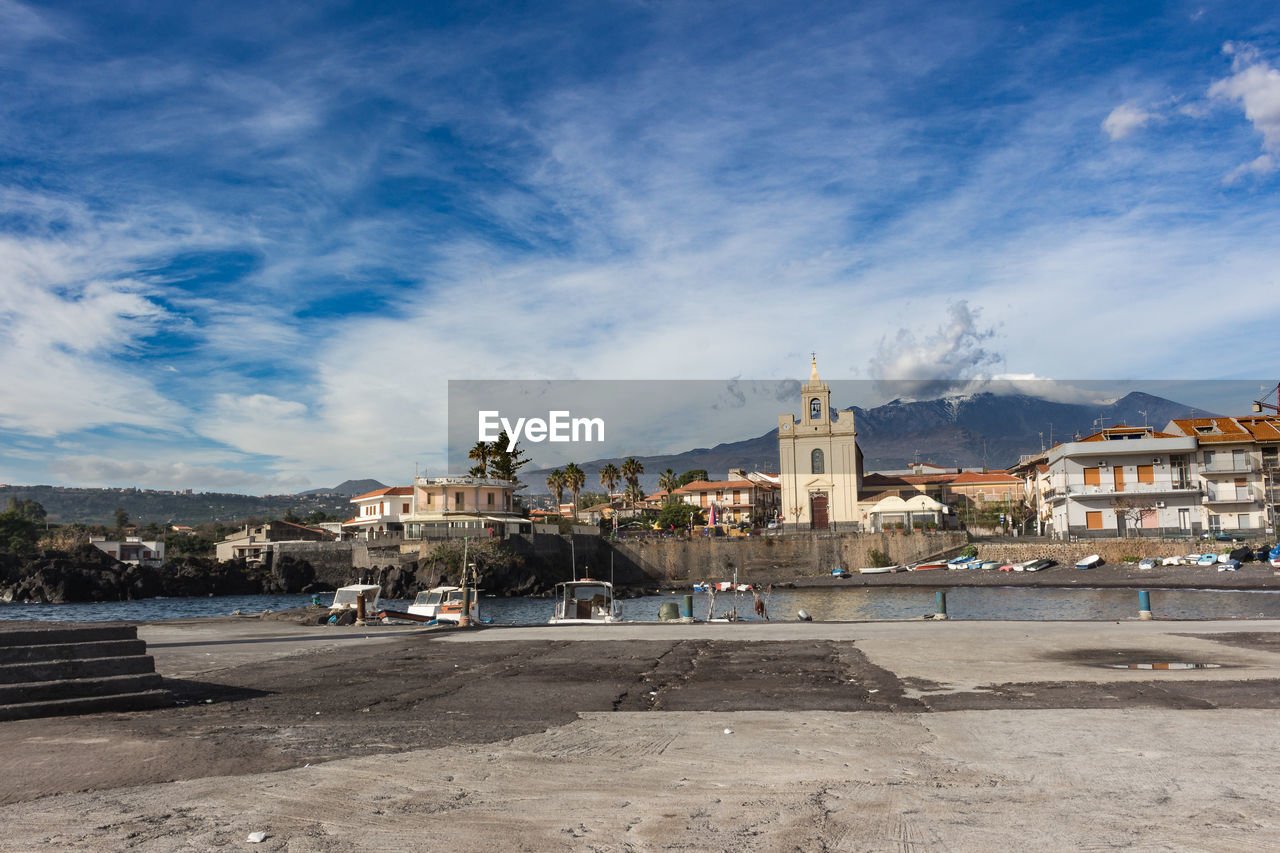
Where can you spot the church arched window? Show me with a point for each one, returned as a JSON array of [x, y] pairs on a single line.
[[816, 465], [815, 409]]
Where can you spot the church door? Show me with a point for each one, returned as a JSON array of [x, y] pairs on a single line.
[[818, 511]]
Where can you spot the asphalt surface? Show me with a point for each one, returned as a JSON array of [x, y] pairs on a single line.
[[255, 699]]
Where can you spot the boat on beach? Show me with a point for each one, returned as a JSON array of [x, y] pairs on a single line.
[[444, 604], [356, 596], [1273, 557], [1089, 562], [585, 602], [879, 570]]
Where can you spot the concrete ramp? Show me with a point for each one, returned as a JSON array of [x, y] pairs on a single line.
[[49, 672]]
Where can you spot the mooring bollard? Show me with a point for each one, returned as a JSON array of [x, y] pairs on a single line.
[[1144, 604], [687, 613], [942, 605]]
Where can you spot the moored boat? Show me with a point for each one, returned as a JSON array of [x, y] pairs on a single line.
[[444, 604], [357, 596], [586, 602], [1273, 557], [1089, 562]]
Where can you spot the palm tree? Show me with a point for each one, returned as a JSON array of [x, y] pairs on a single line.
[[480, 454], [573, 481], [669, 480], [556, 483], [631, 471], [633, 494], [609, 477]]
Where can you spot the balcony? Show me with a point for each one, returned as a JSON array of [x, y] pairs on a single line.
[[1110, 491], [1230, 496], [1226, 466]]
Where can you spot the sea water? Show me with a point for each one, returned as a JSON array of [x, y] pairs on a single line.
[[824, 605]]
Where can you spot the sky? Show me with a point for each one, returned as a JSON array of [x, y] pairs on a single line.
[[246, 246]]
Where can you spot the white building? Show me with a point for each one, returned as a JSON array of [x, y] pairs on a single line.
[[446, 507], [132, 550], [821, 463], [1123, 481], [1236, 467], [380, 512]]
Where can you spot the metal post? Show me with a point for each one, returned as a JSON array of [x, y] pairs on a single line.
[[942, 605], [688, 607], [1144, 604]]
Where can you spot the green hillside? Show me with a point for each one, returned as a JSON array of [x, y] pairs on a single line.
[[98, 506]]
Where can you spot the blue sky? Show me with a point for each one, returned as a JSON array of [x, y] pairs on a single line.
[[244, 246]]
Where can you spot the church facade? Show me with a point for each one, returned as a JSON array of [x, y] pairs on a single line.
[[821, 465]]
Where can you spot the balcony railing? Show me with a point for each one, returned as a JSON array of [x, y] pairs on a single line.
[[1246, 466], [1109, 490]]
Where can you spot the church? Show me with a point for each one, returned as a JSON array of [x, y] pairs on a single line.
[[821, 465]]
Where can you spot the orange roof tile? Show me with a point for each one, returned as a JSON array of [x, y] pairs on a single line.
[[393, 491]]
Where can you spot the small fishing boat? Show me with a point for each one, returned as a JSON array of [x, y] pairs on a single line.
[[702, 586], [991, 564], [356, 596], [1229, 565], [924, 567], [444, 604], [1207, 560], [877, 570], [1273, 557], [586, 602], [1089, 562], [1147, 563]]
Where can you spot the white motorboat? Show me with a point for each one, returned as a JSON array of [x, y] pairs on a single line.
[[444, 604], [586, 602], [351, 596]]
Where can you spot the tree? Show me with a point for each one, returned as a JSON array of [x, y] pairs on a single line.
[[31, 510], [574, 479], [481, 454], [556, 482], [1132, 508], [122, 520], [17, 533], [503, 463], [693, 476], [587, 499], [609, 477], [669, 481], [631, 471], [291, 516], [679, 514], [633, 494]]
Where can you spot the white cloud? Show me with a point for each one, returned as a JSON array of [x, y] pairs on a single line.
[[1125, 119], [1255, 85], [97, 471], [938, 363]]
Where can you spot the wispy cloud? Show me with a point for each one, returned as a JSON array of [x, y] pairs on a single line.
[[1125, 120], [1255, 85]]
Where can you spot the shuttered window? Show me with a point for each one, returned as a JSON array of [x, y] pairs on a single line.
[[1146, 474], [1092, 477], [1093, 520]]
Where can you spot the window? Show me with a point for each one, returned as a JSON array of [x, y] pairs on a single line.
[[1092, 477], [1146, 473], [404, 508], [815, 410], [429, 499], [816, 461], [1093, 520], [457, 500], [490, 498]]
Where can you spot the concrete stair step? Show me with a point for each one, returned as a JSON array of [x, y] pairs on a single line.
[[71, 651], [52, 670], [87, 705], [74, 688], [56, 634]]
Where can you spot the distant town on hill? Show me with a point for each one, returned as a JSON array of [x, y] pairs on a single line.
[[68, 505]]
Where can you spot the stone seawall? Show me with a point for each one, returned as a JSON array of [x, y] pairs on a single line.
[[1113, 551], [772, 558]]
